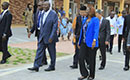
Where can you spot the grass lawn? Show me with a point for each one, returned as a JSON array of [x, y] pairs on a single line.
[[21, 56]]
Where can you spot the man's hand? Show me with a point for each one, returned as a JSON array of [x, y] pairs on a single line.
[[128, 48], [78, 46], [50, 40], [3, 38], [115, 35], [29, 34], [120, 26], [106, 43], [93, 44], [123, 39]]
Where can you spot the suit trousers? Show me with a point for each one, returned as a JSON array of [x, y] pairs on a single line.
[[111, 42], [127, 58], [119, 42], [103, 53], [44, 60], [76, 55], [90, 54], [41, 52], [4, 44]]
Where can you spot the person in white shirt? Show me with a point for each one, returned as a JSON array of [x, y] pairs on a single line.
[[113, 29], [120, 24]]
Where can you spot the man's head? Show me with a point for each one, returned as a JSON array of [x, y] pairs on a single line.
[[40, 5], [124, 13], [46, 6], [112, 14], [5, 5], [99, 13], [83, 11]]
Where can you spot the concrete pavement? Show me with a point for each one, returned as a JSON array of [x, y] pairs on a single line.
[[113, 70]]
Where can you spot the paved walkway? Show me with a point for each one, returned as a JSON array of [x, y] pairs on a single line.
[[113, 70]]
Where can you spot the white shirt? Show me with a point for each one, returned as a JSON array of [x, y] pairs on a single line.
[[112, 25], [45, 16], [4, 12], [120, 21]]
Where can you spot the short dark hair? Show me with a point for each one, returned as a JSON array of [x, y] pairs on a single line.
[[83, 8], [6, 3]]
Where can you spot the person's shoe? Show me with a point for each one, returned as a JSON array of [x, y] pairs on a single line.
[[74, 67], [126, 68], [111, 53], [101, 68], [2, 61], [90, 78], [82, 78], [50, 69], [33, 69]]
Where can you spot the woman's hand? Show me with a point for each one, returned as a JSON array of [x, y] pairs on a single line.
[[93, 44]]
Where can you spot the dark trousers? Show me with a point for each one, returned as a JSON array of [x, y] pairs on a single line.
[[41, 52], [44, 60], [76, 55], [111, 42], [90, 55], [103, 54], [119, 42], [4, 48], [127, 58]]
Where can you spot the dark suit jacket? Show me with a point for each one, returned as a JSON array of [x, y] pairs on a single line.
[[34, 28], [104, 32], [126, 26], [49, 28], [78, 26], [5, 24]]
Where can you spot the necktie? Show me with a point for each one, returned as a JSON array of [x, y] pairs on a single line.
[[39, 19]]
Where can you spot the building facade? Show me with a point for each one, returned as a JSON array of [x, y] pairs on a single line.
[[71, 7]]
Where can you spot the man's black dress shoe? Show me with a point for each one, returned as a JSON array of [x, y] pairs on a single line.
[[126, 68], [74, 67], [82, 78], [33, 69], [50, 69], [101, 68], [2, 61]]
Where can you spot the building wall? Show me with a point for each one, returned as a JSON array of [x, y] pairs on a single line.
[[17, 8]]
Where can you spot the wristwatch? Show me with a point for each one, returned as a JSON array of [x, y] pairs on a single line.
[[94, 39]]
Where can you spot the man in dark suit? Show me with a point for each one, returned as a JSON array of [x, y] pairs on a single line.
[[126, 30], [77, 34], [37, 25], [5, 31], [104, 37], [47, 38]]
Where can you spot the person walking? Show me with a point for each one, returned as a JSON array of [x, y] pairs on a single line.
[[29, 17], [113, 28], [36, 27], [120, 24], [5, 31], [47, 38], [126, 39], [104, 37], [77, 29], [88, 42]]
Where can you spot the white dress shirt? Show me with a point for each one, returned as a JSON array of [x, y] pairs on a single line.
[[45, 15], [112, 25], [120, 21]]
